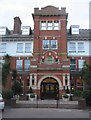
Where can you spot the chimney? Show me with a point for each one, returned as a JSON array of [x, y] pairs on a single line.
[[17, 25]]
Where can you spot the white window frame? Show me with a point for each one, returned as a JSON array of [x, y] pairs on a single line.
[[72, 47], [80, 63], [73, 64], [80, 47], [27, 65], [20, 47], [19, 65], [27, 47], [56, 25], [45, 43], [49, 25], [49, 44], [55, 44], [43, 25], [3, 47]]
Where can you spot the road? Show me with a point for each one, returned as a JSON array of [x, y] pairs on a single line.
[[45, 113]]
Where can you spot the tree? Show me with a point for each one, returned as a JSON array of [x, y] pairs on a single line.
[[16, 87], [5, 69], [86, 76]]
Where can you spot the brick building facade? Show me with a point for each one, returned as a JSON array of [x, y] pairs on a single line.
[[50, 66], [50, 58]]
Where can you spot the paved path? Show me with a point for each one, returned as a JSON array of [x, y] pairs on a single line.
[[45, 113]]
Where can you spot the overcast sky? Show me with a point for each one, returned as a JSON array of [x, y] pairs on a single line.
[[78, 11]]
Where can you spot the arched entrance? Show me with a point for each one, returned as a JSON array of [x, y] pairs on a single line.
[[49, 89]]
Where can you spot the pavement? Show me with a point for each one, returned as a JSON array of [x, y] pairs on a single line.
[[52, 109], [45, 113]]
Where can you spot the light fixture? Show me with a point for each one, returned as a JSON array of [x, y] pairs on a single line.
[[49, 53]]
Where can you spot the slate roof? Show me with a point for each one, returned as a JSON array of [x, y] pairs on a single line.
[[83, 34]]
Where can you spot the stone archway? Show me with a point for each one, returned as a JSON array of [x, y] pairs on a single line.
[[49, 88]]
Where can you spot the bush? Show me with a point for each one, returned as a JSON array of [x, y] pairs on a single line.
[[30, 90], [32, 95], [7, 94], [78, 93], [65, 95], [17, 89], [85, 94]]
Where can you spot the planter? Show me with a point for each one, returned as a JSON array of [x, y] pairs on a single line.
[[32, 97], [74, 98], [65, 97]]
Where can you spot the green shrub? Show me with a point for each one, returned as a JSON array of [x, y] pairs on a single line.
[[7, 94], [32, 95], [85, 94], [16, 87], [78, 93], [65, 95]]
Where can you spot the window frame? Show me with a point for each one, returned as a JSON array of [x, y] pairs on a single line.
[[26, 68], [19, 64], [27, 48], [72, 48], [73, 64], [19, 48], [3, 47], [81, 63], [49, 44], [81, 47]]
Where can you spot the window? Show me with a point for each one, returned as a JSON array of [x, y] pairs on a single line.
[[49, 44], [43, 25], [56, 25], [33, 79], [53, 44], [2, 61], [20, 47], [28, 82], [81, 63], [45, 44], [49, 25], [27, 47], [26, 65], [80, 46], [19, 64], [3, 47], [66, 79], [72, 47], [72, 64]]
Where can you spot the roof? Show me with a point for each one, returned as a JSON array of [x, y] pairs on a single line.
[[83, 34]]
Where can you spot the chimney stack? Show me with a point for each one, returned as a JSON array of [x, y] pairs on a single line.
[[17, 25]]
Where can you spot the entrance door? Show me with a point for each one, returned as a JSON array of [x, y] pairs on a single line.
[[49, 89]]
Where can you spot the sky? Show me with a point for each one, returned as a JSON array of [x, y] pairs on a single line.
[[78, 11]]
